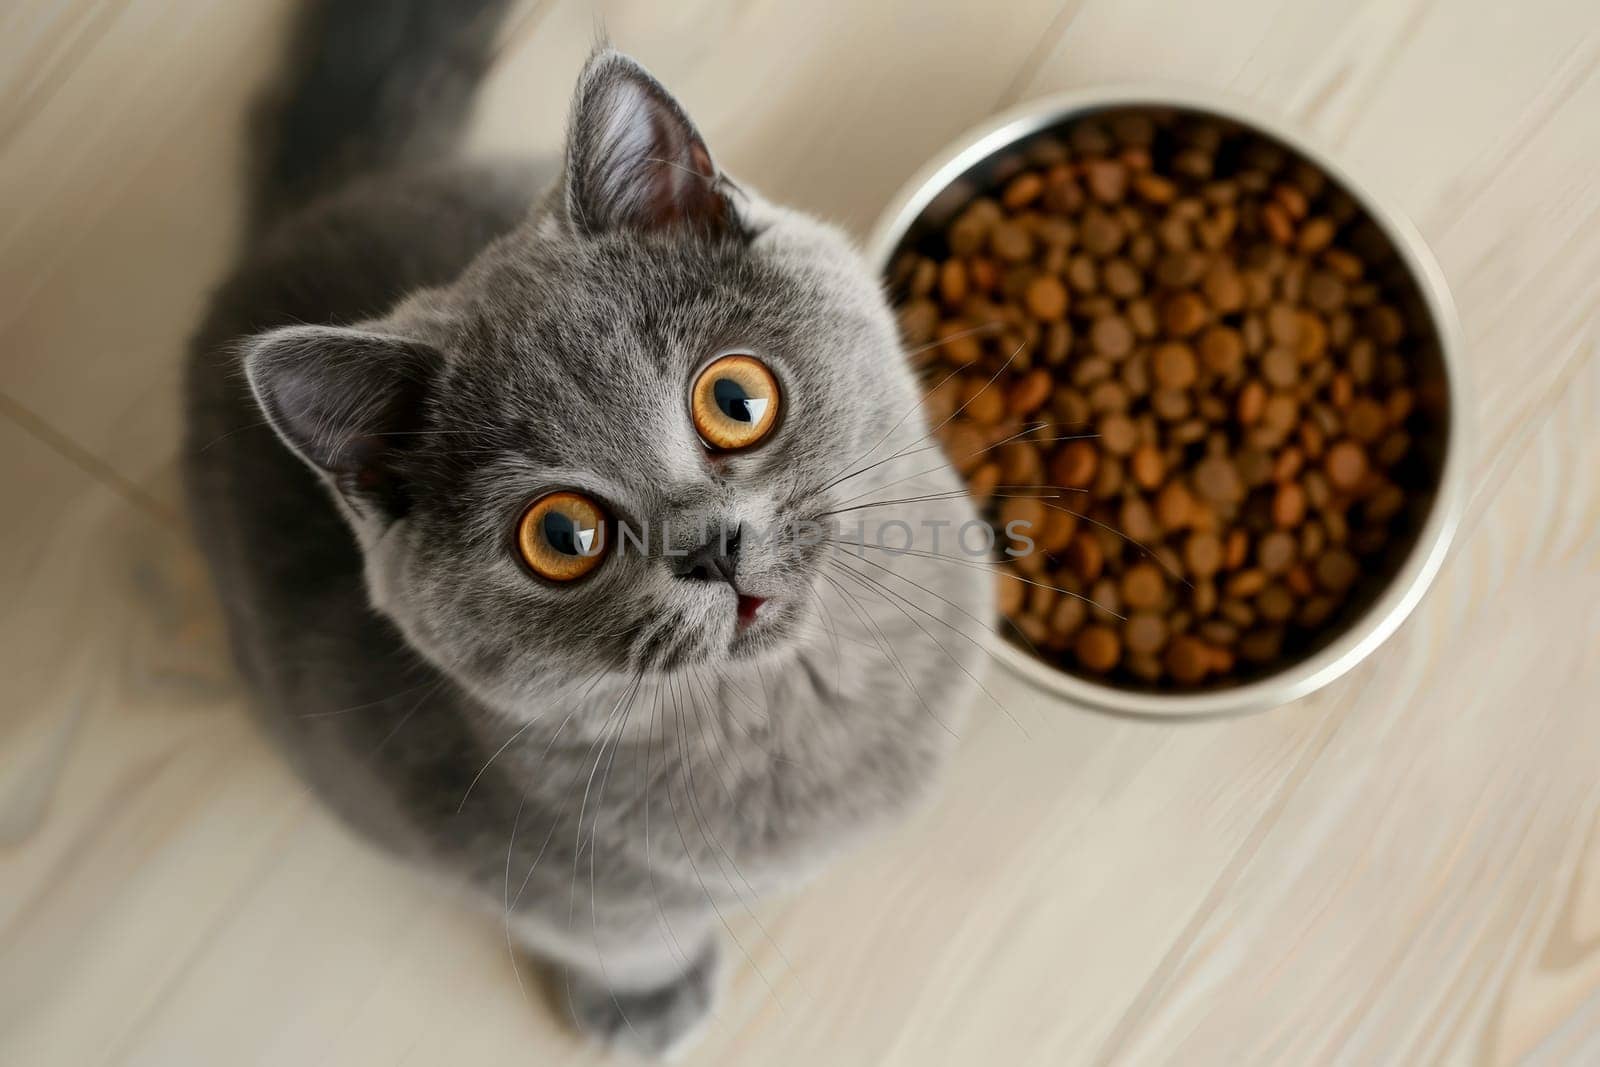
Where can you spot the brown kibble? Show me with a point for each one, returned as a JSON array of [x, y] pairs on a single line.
[[1288, 464], [1238, 613], [1173, 365], [1180, 269], [1085, 556], [1184, 313], [1385, 324], [1011, 242], [1098, 648], [1137, 520], [1222, 350], [1292, 200], [1154, 188], [1366, 420], [1280, 367], [1202, 554], [965, 444], [1046, 298], [1283, 324], [1276, 222], [1041, 600], [1252, 403], [1108, 482], [918, 320], [983, 274], [1145, 632], [1111, 336], [1237, 548], [1101, 234], [1057, 343], [1345, 264], [939, 403], [1143, 586], [1122, 279], [1341, 390], [1030, 392], [1023, 514], [1217, 480], [1281, 412], [1011, 592], [1075, 465], [953, 282], [1289, 505], [1172, 404], [1245, 584], [1188, 659], [1346, 464], [1034, 630], [1118, 434], [1392, 449], [1298, 579], [1175, 506], [1325, 291], [1276, 552], [1069, 613], [1262, 646], [1105, 601], [1023, 190], [1337, 570], [1311, 342], [1059, 527], [1021, 463], [1316, 235], [981, 483], [1148, 466], [1399, 405], [985, 403], [1090, 371], [1109, 395], [1275, 604], [1385, 504], [959, 344], [1223, 288], [1107, 179], [1316, 611]]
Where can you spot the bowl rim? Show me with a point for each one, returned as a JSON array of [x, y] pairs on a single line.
[[1396, 601]]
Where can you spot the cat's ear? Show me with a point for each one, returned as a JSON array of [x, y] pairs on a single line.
[[347, 401], [634, 160]]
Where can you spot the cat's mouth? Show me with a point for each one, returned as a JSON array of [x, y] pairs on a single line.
[[749, 609], [760, 623]]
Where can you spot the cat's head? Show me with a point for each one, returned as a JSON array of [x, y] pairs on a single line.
[[654, 353]]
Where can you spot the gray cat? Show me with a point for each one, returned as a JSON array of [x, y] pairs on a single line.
[[532, 500]]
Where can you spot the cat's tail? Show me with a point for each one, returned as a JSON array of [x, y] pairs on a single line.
[[369, 85]]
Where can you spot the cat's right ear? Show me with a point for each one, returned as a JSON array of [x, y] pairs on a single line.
[[348, 402]]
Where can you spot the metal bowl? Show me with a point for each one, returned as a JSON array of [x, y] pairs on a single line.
[[1390, 590]]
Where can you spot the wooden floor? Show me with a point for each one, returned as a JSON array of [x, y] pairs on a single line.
[[1404, 868]]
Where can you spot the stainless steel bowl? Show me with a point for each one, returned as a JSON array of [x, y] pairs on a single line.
[[968, 167]]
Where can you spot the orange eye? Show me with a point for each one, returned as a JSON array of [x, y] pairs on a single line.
[[734, 403], [562, 536]]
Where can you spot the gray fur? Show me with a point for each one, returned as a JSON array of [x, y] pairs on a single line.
[[434, 348]]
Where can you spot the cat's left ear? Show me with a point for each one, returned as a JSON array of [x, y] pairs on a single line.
[[635, 161]]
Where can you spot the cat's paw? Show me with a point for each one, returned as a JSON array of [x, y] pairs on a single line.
[[657, 1023]]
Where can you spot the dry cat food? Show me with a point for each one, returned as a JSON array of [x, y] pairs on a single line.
[[1165, 344]]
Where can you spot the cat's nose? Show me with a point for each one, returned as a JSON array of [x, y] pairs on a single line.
[[714, 561]]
